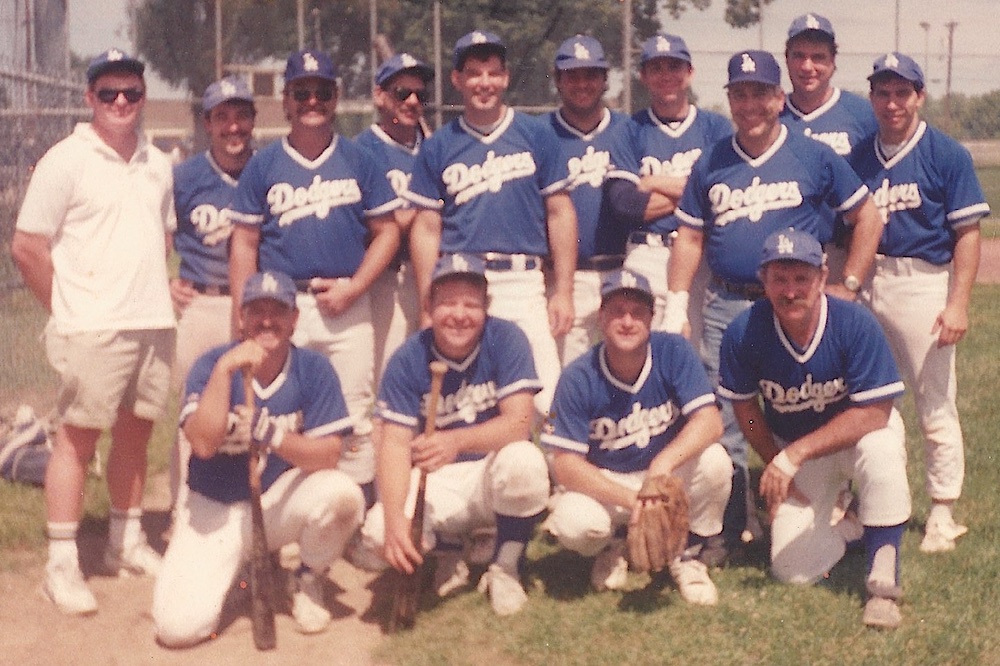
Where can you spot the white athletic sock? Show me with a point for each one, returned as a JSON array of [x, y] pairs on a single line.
[[62, 543], [941, 512], [125, 528]]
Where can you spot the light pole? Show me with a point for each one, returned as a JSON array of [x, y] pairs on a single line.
[[927, 28], [627, 56]]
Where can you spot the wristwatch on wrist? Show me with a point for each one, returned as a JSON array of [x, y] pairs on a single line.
[[852, 284]]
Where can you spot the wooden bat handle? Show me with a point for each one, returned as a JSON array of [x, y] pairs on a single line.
[[438, 370]]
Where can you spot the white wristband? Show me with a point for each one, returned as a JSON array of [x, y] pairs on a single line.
[[784, 464], [675, 311]]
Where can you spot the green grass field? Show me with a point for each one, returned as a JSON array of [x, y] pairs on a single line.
[[989, 177], [951, 606]]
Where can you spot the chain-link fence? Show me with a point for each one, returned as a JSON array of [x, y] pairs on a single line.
[[39, 103]]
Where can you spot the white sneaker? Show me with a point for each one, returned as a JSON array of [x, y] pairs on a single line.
[[363, 554], [505, 592], [138, 560], [940, 536], [451, 572], [66, 588], [691, 577], [310, 613], [610, 570], [882, 613]]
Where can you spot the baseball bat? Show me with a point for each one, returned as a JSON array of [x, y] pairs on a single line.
[[261, 602], [407, 597]]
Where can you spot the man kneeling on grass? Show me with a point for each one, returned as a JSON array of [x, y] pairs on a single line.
[[639, 404], [827, 379]]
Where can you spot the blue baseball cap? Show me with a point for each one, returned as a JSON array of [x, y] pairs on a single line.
[[113, 60], [269, 284], [811, 23], [402, 62], [754, 66], [230, 89], [310, 64], [468, 266], [792, 245], [901, 65], [624, 280], [579, 52], [662, 45], [477, 39]]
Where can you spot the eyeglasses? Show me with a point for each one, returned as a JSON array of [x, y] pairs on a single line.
[[322, 94], [110, 95], [403, 94]]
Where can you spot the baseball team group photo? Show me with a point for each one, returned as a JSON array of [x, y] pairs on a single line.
[[574, 383]]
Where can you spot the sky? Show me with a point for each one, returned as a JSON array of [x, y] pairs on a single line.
[[865, 29]]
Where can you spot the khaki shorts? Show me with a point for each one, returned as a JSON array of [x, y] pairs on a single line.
[[104, 371]]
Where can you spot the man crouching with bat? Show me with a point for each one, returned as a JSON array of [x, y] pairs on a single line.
[[297, 418], [481, 469]]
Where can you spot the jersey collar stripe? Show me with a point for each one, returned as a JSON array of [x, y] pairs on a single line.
[[643, 375], [225, 177], [454, 365], [392, 143], [265, 392], [757, 161], [310, 164], [679, 130], [804, 356], [488, 139], [601, 126], [826, 106], [904, 151]]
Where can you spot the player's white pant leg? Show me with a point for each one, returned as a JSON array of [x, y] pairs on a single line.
[[696, 303], [395, 312], [347, 340], [208, 545], [878, 467], [650, 261], [516, 480], [708, 479], [580, 523], [318, 510], [203, 325], [804, 546], [586, 303], [907, 294], [519, 296]]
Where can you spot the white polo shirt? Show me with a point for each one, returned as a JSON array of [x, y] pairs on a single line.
[[107, 220]]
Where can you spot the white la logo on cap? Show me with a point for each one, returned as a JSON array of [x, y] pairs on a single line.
[[811, 22], [269, 284], [115, 54], [407, 61], [309, 62], [227, 88], [459, 264], [628, 280], [748, 65], [662, 44], [478, 38], [580, 52], [891, 61], [785, 245]]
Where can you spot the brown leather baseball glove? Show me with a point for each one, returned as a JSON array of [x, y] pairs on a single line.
[[659, 531]]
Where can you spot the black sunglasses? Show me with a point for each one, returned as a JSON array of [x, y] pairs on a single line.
[[322, 94], [403, 94], [109, 95]]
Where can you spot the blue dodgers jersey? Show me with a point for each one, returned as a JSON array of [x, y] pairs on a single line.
[[398, 159], [673, 148], [847, 363], [924, 192], [591, 160], [842, 122], [500, 366], [202, 192], [305, 398], [738, 201], [489, 188], [621, 427], [311, 214]]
